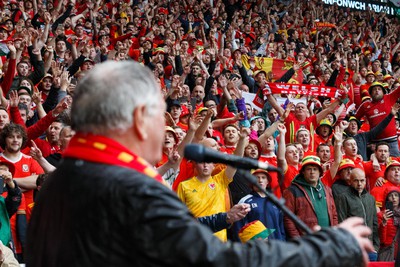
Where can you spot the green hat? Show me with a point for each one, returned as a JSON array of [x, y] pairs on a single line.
[[325, 122], [254, 230], [352, 118], [312, 160]]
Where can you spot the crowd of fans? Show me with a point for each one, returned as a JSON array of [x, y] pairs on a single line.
[[334, 152]]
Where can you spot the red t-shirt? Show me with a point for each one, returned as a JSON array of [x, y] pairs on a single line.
[[327, 179], [377, 111], [290, 173], [227, 149], [372, 175], [25, 166]]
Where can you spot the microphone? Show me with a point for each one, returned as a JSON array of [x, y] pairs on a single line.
[[199, 153]]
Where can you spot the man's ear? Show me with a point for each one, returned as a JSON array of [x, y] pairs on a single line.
[[139, 122]]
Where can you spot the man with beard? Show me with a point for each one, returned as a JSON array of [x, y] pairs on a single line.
[[377, 109], [199, 94], [195, 72], [12, 138], [26, 171]]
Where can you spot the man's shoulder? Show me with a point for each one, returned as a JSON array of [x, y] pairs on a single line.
[[296, 189], [98, 174]]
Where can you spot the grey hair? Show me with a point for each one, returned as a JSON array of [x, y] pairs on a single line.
[[104, 100]]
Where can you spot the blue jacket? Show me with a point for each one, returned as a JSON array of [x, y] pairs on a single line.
[[266, 212]]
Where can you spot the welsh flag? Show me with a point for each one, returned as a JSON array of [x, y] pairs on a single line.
[[277, 66]]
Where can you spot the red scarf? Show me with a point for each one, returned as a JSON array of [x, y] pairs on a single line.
[[101, 149]]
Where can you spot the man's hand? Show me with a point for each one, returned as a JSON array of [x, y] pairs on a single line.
[[380, 181], [173, 157], [35, 152], [355, 226], [282, 129], [289, 108], [395, 109], [194, 123], [63, 105], [237, 212], [8, 179], [343, 125], [375, 163], [338, 134], [14, 100], [169, 120]]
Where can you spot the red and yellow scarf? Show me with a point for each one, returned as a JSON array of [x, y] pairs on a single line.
[[100, 149]]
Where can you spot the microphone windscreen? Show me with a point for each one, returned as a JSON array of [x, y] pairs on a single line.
[[194, 152]]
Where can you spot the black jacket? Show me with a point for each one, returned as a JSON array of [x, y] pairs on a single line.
[[350, 203], [90, 214]]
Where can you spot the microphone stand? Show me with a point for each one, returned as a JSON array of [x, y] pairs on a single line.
[[280, 203]]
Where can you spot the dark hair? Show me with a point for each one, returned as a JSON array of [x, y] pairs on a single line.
[[381, 144], [321, 145], [8, 130], [212, 98], [22, 106], [26, 79]]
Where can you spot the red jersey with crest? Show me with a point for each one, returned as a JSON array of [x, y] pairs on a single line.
[[293, 125], [25, 166], [377, 111]]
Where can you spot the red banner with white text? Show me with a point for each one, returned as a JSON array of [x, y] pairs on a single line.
[[300, 89]]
